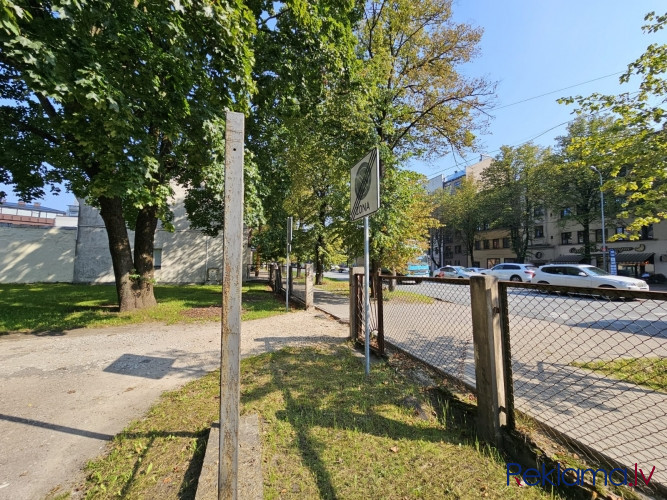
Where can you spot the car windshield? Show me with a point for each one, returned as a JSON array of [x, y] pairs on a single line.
[[595, 271]]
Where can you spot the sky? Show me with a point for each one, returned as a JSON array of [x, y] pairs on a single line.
[[531, 48]]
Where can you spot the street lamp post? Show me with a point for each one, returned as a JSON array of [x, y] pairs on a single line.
[[604, 239]]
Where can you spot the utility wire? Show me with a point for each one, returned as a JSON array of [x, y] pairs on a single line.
[[556, 91]]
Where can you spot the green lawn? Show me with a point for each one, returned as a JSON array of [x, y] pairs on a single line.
[[55, 307], [647, 372], [326, 431]]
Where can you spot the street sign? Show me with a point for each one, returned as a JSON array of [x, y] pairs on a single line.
[[613, 269], [365, 186]]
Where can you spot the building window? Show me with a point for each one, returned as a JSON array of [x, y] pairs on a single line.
[[580, 236], [496, 243], [506, 242], [565, 212], [157, 258], [598, 236], [539, 231], [538, 212], [478, 245], [619, 230], [486, 244], [457, 249], [646, 232], [565, 238], [492, 262]]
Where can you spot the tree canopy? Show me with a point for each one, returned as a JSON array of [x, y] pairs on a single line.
[[633, 150], [119, 100]]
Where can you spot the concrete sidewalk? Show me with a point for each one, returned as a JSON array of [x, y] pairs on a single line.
[[333, 304]]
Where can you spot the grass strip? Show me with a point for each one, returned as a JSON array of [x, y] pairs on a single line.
[[327, 432], [339, 287], [38, 308], [647, 372]]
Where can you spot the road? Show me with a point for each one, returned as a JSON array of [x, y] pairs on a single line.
[[624, 421]]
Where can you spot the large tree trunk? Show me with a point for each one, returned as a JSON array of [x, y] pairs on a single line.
[[144, 243], [131, 294]]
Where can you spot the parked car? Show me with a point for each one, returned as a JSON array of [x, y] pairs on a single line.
[[512, 272], [480, 270], [587, 276], [453, 272], [343, 268]]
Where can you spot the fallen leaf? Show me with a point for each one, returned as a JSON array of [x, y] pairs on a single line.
[[394, 449]]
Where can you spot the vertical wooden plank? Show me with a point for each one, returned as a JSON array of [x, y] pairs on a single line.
[[489, 363], [232, 263]]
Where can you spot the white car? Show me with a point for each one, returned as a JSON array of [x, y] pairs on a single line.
[[587, 276], [512, 272], [453, 272]]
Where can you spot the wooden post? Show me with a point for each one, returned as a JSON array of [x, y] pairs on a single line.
[[489, 366], [309, 287], [232, 264], [353, 301]]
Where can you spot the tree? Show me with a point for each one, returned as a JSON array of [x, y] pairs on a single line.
[[634, 153], [305, 53], [119, 101], [513, 189], [570, 181], [418, 104], [461, 211]]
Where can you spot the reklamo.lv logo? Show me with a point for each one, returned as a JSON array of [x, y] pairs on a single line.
[[574, 477]]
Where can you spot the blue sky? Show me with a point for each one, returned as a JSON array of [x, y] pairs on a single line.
[[533, 47]]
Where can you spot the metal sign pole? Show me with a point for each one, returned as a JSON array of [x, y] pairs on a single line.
[[288, 272], [232, 262], [367, 300]]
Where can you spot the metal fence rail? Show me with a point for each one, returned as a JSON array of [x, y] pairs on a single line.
[[430, 319], [592, 367]]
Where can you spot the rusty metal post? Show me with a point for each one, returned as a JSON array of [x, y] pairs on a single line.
[[232, 264]]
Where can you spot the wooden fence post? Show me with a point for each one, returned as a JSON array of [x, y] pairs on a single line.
[[489, 364], [232, 266], [309, 299]]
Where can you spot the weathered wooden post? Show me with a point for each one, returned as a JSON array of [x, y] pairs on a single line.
[[310, 289], [489, 366], [232, 263]]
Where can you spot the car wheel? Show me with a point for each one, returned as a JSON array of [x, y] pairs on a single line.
[[515, 278]]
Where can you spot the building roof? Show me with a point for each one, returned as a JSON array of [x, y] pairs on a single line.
[[29, 206]]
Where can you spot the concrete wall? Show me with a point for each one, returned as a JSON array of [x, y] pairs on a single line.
[[188, 256], [35, 254]]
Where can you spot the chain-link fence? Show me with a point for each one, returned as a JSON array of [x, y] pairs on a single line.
[[594, 369], [588, 367], [430, 319], [298, 281]]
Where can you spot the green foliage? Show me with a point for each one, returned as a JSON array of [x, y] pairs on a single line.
[[634, 153], [462, 211], [418, 102], [120, 100], [513, 188]]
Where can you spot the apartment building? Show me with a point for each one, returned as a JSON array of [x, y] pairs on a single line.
[[555, 237]]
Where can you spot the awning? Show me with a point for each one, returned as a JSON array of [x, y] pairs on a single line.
[[634, 258], [568, 259]]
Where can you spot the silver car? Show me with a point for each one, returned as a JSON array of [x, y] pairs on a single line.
[[585, 276], [512, 272], [453, 272]]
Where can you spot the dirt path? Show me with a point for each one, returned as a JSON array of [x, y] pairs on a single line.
[[62, 397]]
